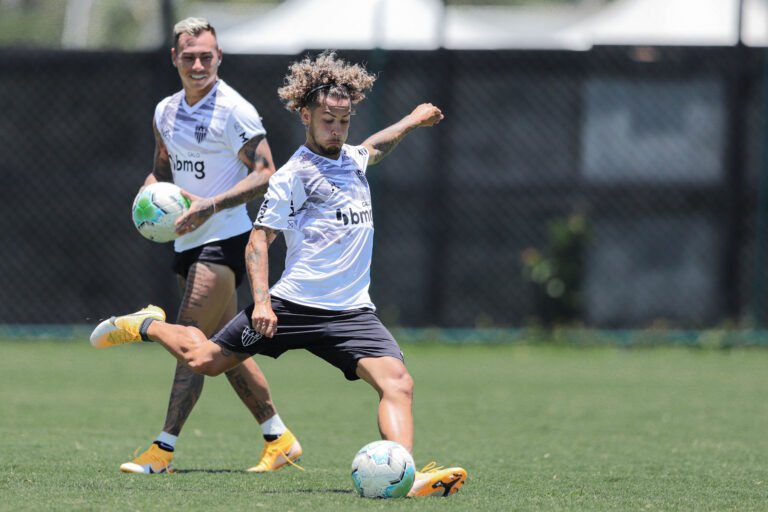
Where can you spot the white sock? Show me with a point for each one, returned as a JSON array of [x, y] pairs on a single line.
[[274, 426], [167, 440]]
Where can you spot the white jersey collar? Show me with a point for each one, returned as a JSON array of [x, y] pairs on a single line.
[[337, 161], [200, 103]]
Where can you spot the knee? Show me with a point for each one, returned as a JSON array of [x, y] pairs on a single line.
[[191, 338], [407, 385], [400, 385], [196, 362], [201, 359]]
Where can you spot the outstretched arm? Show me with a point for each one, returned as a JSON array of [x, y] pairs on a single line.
[[257, 156], [257, 266], [380, 144]]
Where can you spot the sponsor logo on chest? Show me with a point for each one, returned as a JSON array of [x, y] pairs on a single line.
[[354, 216], [191, 164]]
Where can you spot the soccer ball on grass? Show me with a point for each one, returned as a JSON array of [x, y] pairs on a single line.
[[383, 469], [155, 210]]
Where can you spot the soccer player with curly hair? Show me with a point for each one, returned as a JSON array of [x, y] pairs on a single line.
[[320, 201]]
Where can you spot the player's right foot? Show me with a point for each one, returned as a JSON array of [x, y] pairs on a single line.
[[153, 461], [276, 454], [123, 329], [437, 481]]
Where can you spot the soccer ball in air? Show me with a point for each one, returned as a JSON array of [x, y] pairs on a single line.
[[155, 210], [383, 469]]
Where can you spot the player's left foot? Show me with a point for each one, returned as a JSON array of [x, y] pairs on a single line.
[[151, 462], [276, 454], [434, 480], [123, 329]]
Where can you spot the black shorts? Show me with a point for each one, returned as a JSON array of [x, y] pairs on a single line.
[[340, 337], [229, 252]]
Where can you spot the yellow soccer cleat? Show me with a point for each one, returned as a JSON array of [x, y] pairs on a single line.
[[434, 480], [151, 462], [276, 454], [123, 329]]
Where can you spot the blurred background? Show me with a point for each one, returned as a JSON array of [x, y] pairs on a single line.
[[602, 164]]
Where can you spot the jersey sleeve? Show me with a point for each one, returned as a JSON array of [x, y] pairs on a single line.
[[360, 155], [243, 124], [157, 118], [283, 199]]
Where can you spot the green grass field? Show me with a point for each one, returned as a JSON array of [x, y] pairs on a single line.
[[538, 428]]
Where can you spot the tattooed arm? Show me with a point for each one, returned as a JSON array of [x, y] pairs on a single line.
[[263, 318], [257, 156], [380, 144], [161, 165]]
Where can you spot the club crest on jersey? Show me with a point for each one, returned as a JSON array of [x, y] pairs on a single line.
[[201, 132], [249, 337]]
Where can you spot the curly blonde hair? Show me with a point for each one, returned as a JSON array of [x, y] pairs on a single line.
[[327, 74]]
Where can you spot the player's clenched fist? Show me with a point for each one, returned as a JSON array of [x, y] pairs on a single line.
[[427, 114]]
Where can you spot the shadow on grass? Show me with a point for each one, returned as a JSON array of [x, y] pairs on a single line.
[[309, 491], [276, 491], [210, 471]]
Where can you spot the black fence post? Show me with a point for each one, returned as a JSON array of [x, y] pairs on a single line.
[[168, 19], [439, 191], [737, 90]]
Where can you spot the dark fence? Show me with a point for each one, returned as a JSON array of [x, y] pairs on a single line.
[[612, 188]]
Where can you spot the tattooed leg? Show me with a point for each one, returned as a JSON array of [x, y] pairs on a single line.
[[249, 382], [186, 389], [208, 291], [252, 388], [209, 303]]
